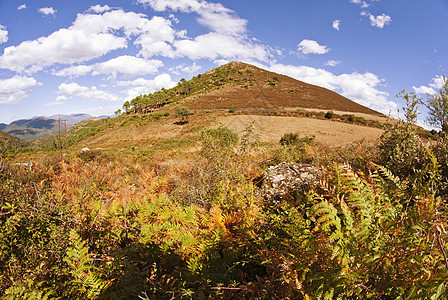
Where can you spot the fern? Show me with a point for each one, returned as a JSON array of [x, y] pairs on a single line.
[[85, 282]]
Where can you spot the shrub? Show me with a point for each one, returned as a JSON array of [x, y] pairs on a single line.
[[329, 115], [183, 113], [440, 150], [221, 136], [232, 109], [352, 118], [289, 139]]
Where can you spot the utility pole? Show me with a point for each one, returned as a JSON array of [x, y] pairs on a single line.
[[61, 145]]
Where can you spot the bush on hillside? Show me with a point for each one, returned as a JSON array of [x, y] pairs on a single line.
[[289, 139], [329, 115]]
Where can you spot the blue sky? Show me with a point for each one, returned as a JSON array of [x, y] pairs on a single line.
[[90, 56]]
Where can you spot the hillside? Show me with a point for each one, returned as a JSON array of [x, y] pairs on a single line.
[[10, 143], [250, 88], [246, 88]]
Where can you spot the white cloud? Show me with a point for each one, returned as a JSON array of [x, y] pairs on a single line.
[[336, 24], [47, 11], [214, 45], [70, 90], [74, 71], [227, 39], [193, 69], [361, 3], [20, 7], [129, 66], [89, 37], [156, 38], [360, 88], [102, 30], [436, 84], [144, 86], [332, 63], [212, 15], [3, 34], [380, 21], [311, 47], [99, 9], [15, 89]]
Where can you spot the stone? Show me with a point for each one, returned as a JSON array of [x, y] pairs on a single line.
[[285, 178]]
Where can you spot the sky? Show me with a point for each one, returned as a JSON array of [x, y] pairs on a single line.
[[61, 56]]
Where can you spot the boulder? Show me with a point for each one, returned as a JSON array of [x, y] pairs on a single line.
[[285, 178]]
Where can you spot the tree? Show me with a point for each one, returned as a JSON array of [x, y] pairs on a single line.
[[438, 107], [118, 112], [183, 113], [126, 106]]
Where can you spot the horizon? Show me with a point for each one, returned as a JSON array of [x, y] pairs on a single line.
[[66, 58]]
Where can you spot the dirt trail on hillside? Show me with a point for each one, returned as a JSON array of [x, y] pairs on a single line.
[[330, 133]]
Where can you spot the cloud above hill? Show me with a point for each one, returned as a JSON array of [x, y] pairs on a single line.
[[15, 89], [311, 47], [361, 88]]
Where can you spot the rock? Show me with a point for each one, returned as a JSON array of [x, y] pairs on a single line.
[[284, 178], [85, 149]]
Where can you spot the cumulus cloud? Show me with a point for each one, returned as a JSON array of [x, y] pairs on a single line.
[[3, 34], [193, 69], [212, 15], [128, 66], [361, 3], [336, 24], [156, 38], [47, 11], [15, 89], [380, 21], [332, 63], [377, 21], [436, 84], [143, 86], [20, 7], [214, 45], [91, 36], [99, 9], [311, 47], [70, 90], [74, 71], [226, 40], [102, 30], [361, 88]]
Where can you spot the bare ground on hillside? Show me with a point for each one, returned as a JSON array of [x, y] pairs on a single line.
[[330, 133], [270, 129]]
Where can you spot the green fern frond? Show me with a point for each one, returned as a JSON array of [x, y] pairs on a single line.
[[85, 282]]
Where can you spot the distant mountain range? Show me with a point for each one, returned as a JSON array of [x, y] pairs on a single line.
[[37, 127]]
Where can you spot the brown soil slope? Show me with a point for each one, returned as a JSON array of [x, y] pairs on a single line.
[[271, 91]]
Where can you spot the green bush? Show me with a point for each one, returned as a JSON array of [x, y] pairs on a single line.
[[329, 115], [440, 150], [289, 139], [221, 136], [352, 118]]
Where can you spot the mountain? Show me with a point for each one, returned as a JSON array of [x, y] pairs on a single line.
[[248, 88], [71, 119], [38, 127]]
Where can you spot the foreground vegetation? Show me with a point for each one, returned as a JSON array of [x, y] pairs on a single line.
[[183, 223]]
